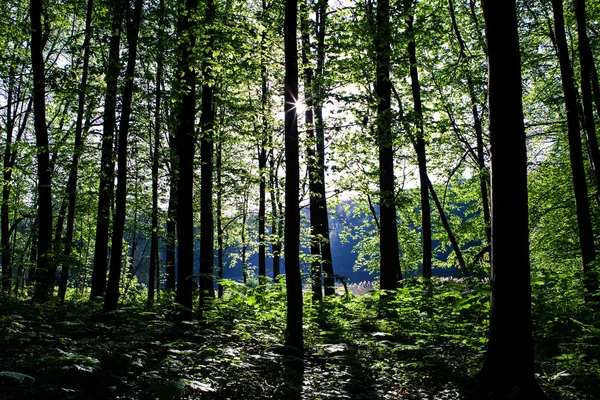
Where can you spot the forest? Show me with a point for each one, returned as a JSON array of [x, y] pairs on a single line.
[[299, 199]]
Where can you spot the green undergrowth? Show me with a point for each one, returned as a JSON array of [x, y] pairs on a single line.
[[423, 341]]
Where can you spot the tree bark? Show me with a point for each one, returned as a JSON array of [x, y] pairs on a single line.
[[206, 169], [46, 268], [294, 336], [114, 278], [420, 148], [186, 144], [105, 192], [388, 235], [509, 359], [313, 176], [154, 265]]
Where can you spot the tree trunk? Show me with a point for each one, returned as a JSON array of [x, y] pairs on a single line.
[[313, 175], [105, 192], [420, 148], [46, 268], [294, 337], [114, 278], [276, 222], [73, 173], [154, 265], [206, 170], [584, 223], [586, 64], [388, 235], [185, 144], [220, 265], [322, 217], [509, 360], [172, 216]]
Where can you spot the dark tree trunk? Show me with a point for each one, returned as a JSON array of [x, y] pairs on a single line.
[[294, 337], [483, 173], [420, 148], [171, 216], [73, 173], [587, 64], [322, 217], [584, 223], [46, 268], [262, 156], [206, 170], [509, 360], [105, 192], [313, 175], [388, 235], [185, 144], [219, 167], [114, 278], [276, 222], [154, 265]]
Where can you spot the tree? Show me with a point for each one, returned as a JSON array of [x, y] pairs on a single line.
[[116, 262], [185, 144], [420, 144], [106, 189], [509, 359], [46, 268], [294, 337], [388, 234], [584, 223], [206, 155]]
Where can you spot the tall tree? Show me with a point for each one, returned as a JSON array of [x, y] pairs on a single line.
[[586, 64], [294, 337], [71, 189], [105, 192], [322, 216], [46, 268], [315, 248], [584, 223], [420, 143], [153, 268], [185, 144], [388, 235], [509, 360], [206, 155], [114, 279]]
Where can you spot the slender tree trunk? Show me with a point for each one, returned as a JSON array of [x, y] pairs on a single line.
[[46, 268], [483, 173], [509, 360], [584, 223], [586, 64], [220, 263], [243, 239], [420, 148], [185, 144], [388, 236], [313, 175], [172, 216], [112, 291], [154, 265], [294, 337], [73, 173], [322, 216], [276, 223], [262, 157], [206, 170], [105, 192]]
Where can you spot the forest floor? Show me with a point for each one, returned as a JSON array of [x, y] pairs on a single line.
[[421, 343]]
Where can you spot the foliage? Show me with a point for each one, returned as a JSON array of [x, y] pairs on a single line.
[[425, 340]]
